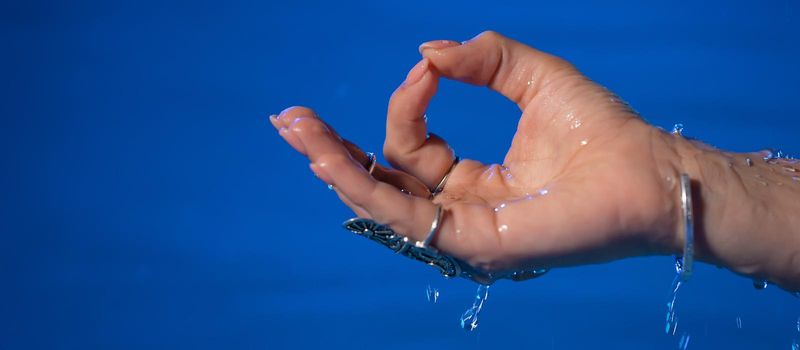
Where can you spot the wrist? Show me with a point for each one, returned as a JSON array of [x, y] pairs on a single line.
[[741, 212]]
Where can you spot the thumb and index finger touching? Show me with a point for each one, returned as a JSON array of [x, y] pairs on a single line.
[[508, 67]]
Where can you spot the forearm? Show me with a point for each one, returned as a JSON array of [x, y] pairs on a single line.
[[747, 211]]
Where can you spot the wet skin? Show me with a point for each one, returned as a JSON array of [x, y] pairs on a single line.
[[584, 181]]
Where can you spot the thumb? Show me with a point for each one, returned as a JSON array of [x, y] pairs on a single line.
[[513, 69]]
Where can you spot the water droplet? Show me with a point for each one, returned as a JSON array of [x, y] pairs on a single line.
[[739, 322], [584, 142], [469, 320], [575, 124], [425, 119], [795, 345], [748, 161], [767, 154], [502, 228], [330, 187], [523, 275], [677, 129], [543, 191], [760, 284], [672, 317], [433, 294], [499, 207], [684, 342]]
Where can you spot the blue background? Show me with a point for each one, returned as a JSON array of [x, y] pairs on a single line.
[[148, 203]]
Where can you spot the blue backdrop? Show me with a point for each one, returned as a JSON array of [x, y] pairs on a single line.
[[147, 202]]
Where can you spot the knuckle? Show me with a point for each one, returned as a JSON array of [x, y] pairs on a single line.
[[336, 161], [490, 36]]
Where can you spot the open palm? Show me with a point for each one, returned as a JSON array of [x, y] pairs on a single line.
[[584, 181]]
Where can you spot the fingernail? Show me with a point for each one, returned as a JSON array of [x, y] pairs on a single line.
[[438, 45], [417, 72], [274, 120]]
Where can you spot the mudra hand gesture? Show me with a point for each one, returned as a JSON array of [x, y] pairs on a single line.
[[584, 181]]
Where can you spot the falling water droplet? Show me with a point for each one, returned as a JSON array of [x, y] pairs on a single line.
[[469, 320], [795, 344], [684, 342], [672, 317], [433, 294], [677, 129], [760, 284], [739, 322]]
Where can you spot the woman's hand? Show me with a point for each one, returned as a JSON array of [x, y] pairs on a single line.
[[584, 181]]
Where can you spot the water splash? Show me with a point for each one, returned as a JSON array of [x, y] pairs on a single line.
[[768, 154], [677, 129], [684, 342], [672, 317], [469, 320], [795, 343], [433, 294]]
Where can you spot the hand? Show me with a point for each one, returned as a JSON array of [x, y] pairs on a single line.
[[584, 181]]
